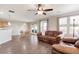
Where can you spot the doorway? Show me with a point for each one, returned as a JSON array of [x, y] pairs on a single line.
[[34, 29]]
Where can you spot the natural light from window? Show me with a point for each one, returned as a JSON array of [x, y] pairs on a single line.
[[69, 25]]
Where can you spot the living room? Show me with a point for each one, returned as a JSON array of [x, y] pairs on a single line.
[[39, 28]]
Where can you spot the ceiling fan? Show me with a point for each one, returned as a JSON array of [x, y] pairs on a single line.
[[41, 10]]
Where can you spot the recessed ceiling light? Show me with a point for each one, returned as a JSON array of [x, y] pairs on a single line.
[[1, 12], [9, 23]]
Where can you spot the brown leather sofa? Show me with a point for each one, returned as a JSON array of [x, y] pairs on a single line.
[[50, 37], [66, 46]]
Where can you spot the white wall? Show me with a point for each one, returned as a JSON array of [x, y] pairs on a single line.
[[17, 27], [5, 35], [53, 23]]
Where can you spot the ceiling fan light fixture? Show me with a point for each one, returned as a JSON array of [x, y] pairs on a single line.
[[40, 12]]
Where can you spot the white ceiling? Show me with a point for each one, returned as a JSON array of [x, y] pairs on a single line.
[[21, 13]]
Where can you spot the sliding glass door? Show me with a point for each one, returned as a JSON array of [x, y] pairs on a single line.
[[41, 26], [34, 28]]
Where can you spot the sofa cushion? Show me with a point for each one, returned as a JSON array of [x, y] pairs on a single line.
[[55, 35], [52, 33], [39, 34], [50, 36], [65, 49], [69, 40], [77, 44], [48, 33]]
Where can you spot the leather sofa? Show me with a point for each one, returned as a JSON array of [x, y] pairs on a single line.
[[50, 37], [66, 46]]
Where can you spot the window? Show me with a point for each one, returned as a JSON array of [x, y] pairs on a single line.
[[34, 28], [75, 30], [74, 25], [69, 25], [63, 25], [43, 26], [76, 19], [63, 21], [63, 29]]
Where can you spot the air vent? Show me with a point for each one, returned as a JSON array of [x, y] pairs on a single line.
[[12, 11]]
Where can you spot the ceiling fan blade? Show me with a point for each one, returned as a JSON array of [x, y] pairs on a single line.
[[31, 10], [48, 10], [44, 13], [36, 13]]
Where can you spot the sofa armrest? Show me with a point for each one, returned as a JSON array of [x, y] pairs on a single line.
[[39, 34], [54, 40], [58, 38]]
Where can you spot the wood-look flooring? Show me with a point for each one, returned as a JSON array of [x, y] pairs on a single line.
[[27, 45]]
